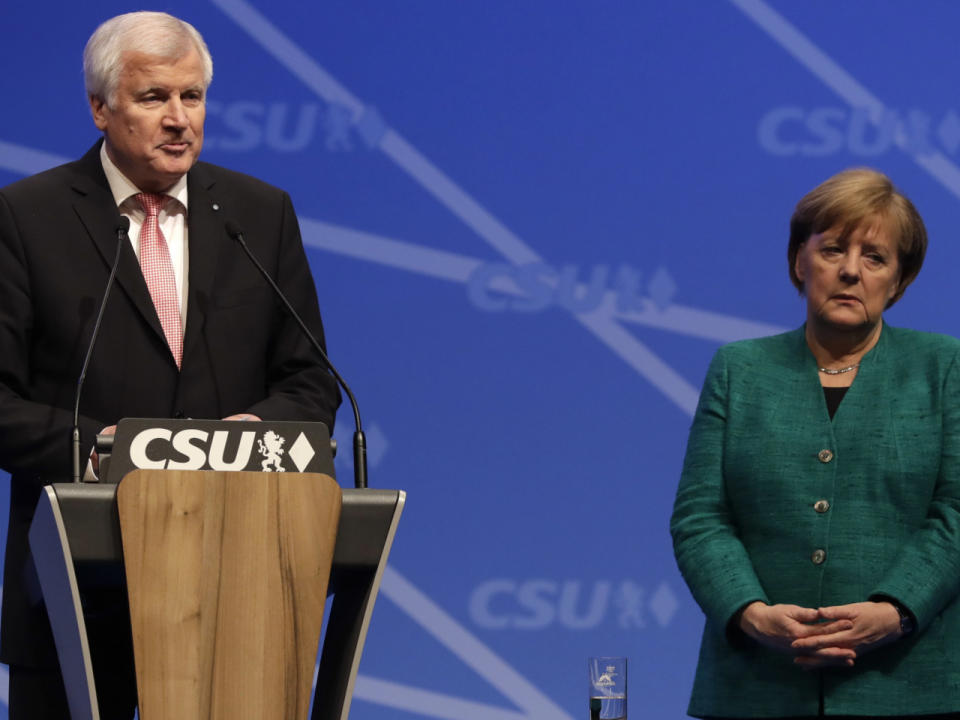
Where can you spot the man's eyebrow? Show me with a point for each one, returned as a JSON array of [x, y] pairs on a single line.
[[165, 90]]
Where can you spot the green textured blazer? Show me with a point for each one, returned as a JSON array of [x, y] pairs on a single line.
[[762, 451]]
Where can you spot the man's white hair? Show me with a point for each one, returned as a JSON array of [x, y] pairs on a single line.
[[153, 33]]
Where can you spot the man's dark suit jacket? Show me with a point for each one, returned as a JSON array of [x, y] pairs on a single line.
[[241, 352]]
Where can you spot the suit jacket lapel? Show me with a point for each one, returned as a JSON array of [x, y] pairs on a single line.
[[206, 237], [98, 212]]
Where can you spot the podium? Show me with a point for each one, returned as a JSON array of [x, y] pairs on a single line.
[[249, 588]]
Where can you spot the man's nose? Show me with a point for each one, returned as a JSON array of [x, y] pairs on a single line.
[[176, 115]]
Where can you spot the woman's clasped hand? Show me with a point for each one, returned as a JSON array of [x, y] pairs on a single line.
[[825, 636]]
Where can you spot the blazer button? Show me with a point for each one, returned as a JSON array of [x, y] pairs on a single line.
[[821, 506], [825, 455], [818, 556]]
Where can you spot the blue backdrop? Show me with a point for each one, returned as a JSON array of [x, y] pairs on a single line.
[[531, 224]]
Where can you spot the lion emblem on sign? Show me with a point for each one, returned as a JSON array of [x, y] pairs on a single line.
[[271, 447]]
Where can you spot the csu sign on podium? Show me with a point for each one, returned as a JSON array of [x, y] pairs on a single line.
[[152, 444]]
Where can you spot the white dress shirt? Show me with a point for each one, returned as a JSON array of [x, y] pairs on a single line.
[[173, 222]]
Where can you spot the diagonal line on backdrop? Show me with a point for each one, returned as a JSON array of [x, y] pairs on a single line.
[[445, 265], [453, 267], [427, 703], [844, 85], [288, 54], [438, 263], [498, 236], [451, 196], [448, 193], [435, 621], [27, 161]]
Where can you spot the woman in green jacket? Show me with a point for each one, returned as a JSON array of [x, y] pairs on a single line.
[[817, 521]]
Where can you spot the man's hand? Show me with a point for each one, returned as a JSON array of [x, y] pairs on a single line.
[[871, 625], [781, 627], [242, 417], [94, 458]]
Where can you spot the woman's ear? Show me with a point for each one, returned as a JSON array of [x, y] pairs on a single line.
[[798, 266]]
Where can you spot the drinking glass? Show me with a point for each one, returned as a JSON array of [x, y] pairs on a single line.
[[608, 688]]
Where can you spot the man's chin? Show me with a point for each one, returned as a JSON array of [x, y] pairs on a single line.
[[167, 174], [178, 165]]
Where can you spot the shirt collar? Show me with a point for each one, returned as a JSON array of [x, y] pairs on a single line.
[[123, 190]]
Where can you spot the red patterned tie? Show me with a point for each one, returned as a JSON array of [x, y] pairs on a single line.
[[158, 272]]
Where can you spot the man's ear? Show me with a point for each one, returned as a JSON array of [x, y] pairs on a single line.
[[99, 110]]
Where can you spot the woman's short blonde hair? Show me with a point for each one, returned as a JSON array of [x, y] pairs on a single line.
[[851, 198]]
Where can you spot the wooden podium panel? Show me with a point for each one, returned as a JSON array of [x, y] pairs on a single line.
[[227, 577]]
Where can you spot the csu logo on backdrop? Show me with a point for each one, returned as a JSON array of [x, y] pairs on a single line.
[[219, 445], [819, 131], [245, 125], [537, 604], [533, 287]]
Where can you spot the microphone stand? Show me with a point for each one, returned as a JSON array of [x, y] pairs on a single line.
[[359, 439], [122, 227]]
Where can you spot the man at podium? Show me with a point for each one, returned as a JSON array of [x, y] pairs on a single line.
[[191, 330]]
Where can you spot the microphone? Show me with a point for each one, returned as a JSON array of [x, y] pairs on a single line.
[[359, 439], [123, 225]]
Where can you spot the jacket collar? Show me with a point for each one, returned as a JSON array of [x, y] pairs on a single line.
[[97, 210], [207, 233], [872, 356]]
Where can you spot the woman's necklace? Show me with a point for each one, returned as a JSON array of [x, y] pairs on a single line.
[[839, 371]]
